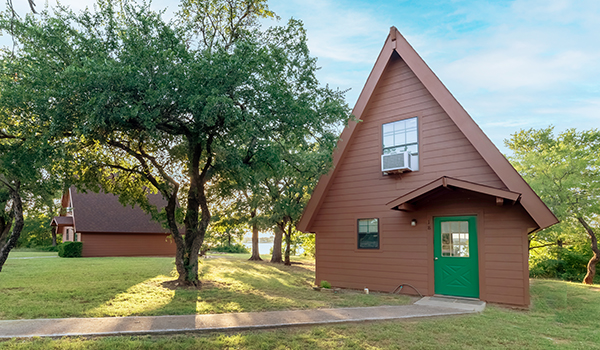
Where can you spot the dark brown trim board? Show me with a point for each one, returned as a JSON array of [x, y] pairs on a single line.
[[445, 181]]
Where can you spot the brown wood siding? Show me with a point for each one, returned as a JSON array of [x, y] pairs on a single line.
[[359, 190], [106, 244]]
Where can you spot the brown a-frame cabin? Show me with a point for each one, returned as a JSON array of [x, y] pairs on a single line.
[[419, 195]]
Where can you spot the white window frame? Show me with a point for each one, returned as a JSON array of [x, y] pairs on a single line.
[[395, 147]]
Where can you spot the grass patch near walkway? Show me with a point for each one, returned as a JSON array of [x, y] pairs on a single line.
[[95, 287], [563, 316]]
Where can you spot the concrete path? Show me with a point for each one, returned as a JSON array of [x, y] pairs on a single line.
[[32, 257], [215, 322], [467, 304]]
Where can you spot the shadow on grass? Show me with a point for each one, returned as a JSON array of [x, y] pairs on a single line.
[[71, 287], [241, 286]]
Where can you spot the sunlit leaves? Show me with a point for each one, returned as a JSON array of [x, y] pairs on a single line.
[[564, 170]]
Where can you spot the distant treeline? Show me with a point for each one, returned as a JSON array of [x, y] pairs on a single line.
[[260, 239]]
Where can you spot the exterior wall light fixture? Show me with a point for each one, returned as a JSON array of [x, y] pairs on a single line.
[[413, 222]]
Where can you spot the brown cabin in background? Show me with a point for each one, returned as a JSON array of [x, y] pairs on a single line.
[[107, 228], [419, 195]]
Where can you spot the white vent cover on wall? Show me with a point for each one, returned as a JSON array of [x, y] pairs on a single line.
[[396, 162]]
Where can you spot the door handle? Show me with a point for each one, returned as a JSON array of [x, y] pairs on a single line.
[[435, 258]]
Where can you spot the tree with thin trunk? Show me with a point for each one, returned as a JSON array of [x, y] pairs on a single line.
[[54, 236], [276, 256], [591, 266], [6, 215], [292, 178], [27, 173], [164, 107], [564, 171], [255, 242]]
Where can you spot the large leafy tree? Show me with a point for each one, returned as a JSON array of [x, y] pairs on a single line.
[[564, 170], [28, 175], [272, 184], [158, 106], [29, 182], [291, 182]]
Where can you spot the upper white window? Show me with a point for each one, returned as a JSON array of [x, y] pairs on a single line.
[[402, 136]]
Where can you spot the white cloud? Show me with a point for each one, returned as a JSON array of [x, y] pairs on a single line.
[[335, 31], [512, 64], [519, 66]]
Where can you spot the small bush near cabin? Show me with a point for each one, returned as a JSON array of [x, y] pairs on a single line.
[[234, 248], [325, 284], [70, 250]]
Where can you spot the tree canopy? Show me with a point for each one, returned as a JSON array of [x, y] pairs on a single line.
[[29, 175], [564, 170], [154, 106]]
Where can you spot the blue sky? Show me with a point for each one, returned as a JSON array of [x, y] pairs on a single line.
[[512, 64]]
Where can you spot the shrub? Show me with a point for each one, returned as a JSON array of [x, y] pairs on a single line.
[[325, 284], [70, 250], [566, 264], [234, 248]]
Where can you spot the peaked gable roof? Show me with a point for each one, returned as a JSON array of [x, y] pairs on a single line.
[[395, 42], [103, 213], [62, 221], [449, 182]]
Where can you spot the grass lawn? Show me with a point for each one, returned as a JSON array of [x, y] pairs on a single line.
[[564, 316], [94, 287], [30, 254]]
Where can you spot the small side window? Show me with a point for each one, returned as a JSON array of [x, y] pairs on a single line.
[[368, 233]]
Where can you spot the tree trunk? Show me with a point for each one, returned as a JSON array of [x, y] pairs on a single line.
[[5, 225], [194, 236], [197, 216], [288, 244], [255, 251], [54, 235], [177, 237], [276, 257], [591, 266], [17, 227]]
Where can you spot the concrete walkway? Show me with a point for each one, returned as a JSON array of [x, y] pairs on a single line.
[[215, 322]]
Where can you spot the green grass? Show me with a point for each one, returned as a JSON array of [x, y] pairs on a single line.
[[564, 316], [30, 254], [94, 287]]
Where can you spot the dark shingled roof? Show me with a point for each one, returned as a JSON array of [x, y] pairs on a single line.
[[62, 221], [102, 212]]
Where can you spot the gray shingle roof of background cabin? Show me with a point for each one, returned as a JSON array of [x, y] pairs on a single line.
[[102, 213], [62, 221]]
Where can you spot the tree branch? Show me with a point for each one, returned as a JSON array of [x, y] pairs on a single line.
[[543, 245]]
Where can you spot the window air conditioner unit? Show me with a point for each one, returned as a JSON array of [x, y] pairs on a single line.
[[397, 162]]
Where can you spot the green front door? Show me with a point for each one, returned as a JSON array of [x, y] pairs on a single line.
[[456, 266]]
